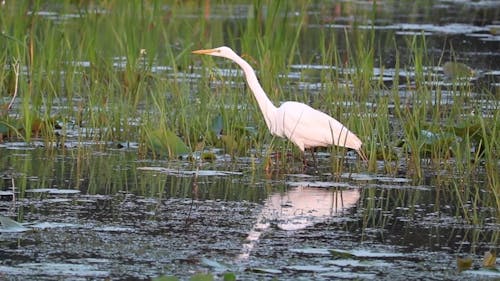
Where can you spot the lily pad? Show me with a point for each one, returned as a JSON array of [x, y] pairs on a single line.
[[189, 173], [232, 137], [359, 263], [54, 270], [49, 225], [165, 278], [349, 275], [432, 139], [464, 263], [202, 277], [64, 191], [39, 190], [457, 70], [217, 124], [6, 193], [365, 254], [310, 268], [164, 142], [494, 274], [327, 184], [215, 265], [208, 156], [374, 177], [10, 225], [312, 251], [265, 270]]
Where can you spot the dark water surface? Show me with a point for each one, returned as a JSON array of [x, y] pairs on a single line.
[[88, 222], [94, 211]]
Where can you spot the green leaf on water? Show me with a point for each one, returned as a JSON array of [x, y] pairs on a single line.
[[361, 253], [341, 253], [457, 70], [230, 144], [471, 128], [467, 130], [217, 266], [433, 139], [10, 225], [4, 130], [208, 156], [464, 263], [234, 138], [164, 142], [265, 270], [238, 139], [436, 142], [217, 124], [229, 276], [165, 278], [9, 127], [495, 29], [202, 277]]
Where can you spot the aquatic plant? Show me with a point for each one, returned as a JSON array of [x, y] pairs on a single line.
[[110, 71]]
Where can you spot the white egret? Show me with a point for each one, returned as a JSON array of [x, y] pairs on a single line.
[[305, 126]]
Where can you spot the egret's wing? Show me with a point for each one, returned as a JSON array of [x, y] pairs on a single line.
[[308, 127]]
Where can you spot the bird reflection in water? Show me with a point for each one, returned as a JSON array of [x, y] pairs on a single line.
[[298, 208]]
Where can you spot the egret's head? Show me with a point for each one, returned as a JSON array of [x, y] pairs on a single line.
[[218, 52]]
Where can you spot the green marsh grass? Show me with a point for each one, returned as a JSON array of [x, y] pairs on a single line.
[[103, 68], [122, 74]]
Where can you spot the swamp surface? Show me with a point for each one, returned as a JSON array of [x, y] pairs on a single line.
[[92, 209]]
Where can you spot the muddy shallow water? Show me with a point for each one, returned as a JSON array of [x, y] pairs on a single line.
[[180, 221]]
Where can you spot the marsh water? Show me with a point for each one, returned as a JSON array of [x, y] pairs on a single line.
[[103, 210]]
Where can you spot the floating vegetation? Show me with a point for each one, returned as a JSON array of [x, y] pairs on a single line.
[[9, 225], [362, 253], [165, 143], [457, 71], [198, 173]]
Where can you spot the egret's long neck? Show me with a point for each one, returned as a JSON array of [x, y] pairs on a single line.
[[266, 106]]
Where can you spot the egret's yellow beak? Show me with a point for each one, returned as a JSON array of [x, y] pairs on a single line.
[[205, 52]]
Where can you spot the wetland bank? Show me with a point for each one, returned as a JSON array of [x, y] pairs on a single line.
[[123, 156]]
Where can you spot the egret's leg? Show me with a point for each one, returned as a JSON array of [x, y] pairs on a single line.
[[309, 167], [314, 158], [304, 160], [362, 155]]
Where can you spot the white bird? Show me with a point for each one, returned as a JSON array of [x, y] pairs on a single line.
[[305, 126]]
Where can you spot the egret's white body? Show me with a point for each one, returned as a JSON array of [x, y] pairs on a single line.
[[305, 126]]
